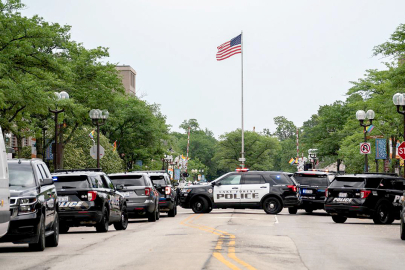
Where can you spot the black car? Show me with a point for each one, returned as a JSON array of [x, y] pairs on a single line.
[[89, 198], [140, 194], [312, 186], [167, 193], [270, 191], [373, 195], [33, 205]]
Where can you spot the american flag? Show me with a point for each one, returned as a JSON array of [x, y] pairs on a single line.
[[229, 48]]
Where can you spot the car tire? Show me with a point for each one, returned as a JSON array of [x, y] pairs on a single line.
[[339, 219], [53, 240], [309, 210], [272, 206], [40, 245], [172, 212], [152, 216], [292, 210], [63, 228], [200, 205], [402, 229], [383, 213], [123, 223], [103, 225]]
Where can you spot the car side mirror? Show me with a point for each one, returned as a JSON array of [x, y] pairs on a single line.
[[47, 182], [119, 187], [215, 183]]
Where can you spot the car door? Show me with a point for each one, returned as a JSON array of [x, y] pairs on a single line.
[[114, 197], [253, 188], [226, 190], [44, 194], [50, 192]]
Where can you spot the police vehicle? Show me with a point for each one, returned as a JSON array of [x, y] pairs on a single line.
[[89, 198], [33, 205], [312, 186], [268, 190], [368, 195]]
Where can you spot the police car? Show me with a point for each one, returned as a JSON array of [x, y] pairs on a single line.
[[268, 190]]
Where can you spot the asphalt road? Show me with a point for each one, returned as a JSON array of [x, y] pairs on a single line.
[[223, 239]]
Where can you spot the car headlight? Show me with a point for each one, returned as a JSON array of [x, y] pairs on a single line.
[[24, 201], [27, 206]]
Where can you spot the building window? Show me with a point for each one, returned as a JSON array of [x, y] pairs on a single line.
[[132, 79]]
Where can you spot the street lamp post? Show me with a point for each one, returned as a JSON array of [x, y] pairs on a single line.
[[56, 158], [399, 100], [98, 118], [361, 116]]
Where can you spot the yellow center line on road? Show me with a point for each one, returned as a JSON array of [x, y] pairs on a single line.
[[229, 238]]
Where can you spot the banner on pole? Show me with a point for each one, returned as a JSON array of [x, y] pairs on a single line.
[[380, 149]]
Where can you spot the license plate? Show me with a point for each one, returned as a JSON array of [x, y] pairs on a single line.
[[342, 195], [307, 191], [63, 198], [125, 194]]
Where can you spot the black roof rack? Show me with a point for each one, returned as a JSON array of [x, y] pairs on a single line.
[[157, 171], [80, 170], [378, 173]]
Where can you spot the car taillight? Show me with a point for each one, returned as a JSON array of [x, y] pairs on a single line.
[[168, 190], [294, 188], [364, 193], [147, 191], [326, 192], [91, 195]]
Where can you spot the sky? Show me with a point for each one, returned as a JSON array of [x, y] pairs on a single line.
[[297, 54]]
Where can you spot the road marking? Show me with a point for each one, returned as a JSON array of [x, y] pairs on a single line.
[[275, 217], [223, 236]]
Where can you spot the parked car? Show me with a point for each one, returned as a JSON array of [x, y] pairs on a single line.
[[373, 195], [268, 190], [141, 196], [312, 186], [33, 205], [89, 198], [4, 189], [167, 193]]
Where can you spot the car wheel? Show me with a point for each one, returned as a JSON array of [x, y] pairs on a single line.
[[123, 223], [339, 219], [272, 206], [172, 212], [102, 226], [402, 230], [63, 228], [292, 210], [200, 205], [53, 240], [383, 214], [40, 245], [152, 216], [309, 210]]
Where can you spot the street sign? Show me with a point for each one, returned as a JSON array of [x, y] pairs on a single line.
[[93, 151], [386, 165], [374, 137], [401, 150], [242, 159], [365, 148]]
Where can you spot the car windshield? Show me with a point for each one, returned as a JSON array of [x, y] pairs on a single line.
[[158, 179], [21, 175], [320, 180], [351, 182], [128, 180], [71, 181]]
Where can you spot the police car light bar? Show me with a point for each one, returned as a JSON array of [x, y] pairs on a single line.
[[242, 170]]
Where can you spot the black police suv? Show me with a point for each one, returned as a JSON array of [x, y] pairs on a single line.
[[140, 194], [89, 198], [33, 205], [372, 195], [268, 190], [312, 186], [167, 192]]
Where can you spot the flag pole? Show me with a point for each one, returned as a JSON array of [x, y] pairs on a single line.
[[243, 131]]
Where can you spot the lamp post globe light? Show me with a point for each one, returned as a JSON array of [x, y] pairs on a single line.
[[98, 117], [362, 116], [58, 146], [399, 100]]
